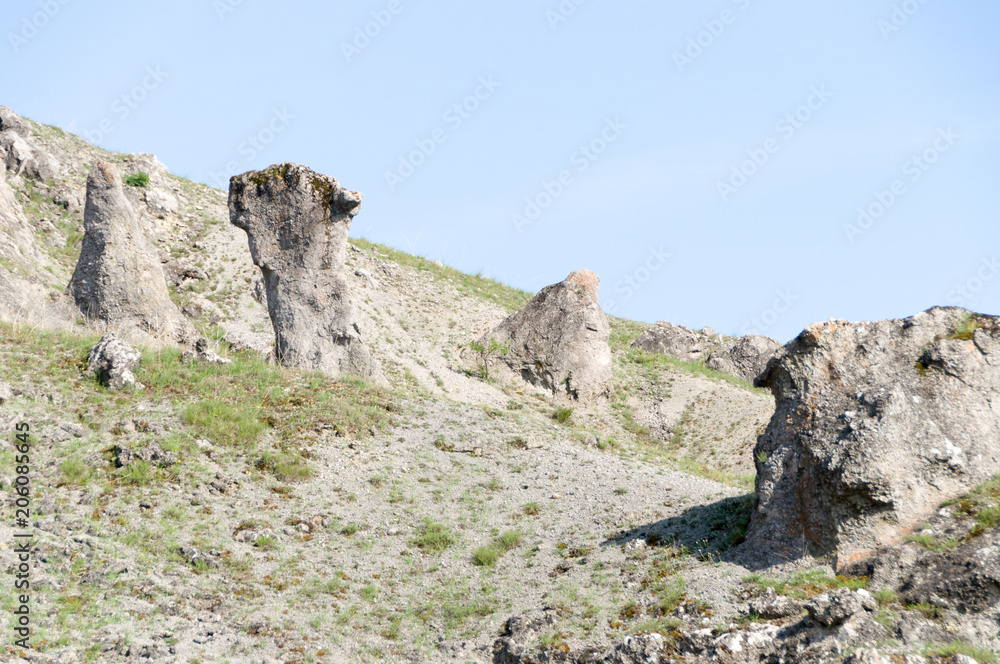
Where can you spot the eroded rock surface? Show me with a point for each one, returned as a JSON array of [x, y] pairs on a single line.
[[113, 362], [557, 342], [876, 425], [747, 358], [118, 278], [297, 223], [678, 341]]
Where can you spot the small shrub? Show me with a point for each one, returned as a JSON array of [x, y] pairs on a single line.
[[485, 556], [433, 537], [139, 179], [139, 473], [621, 491], [508, 540], [532, 509], [377, 481], [562, 414], [885, 596]]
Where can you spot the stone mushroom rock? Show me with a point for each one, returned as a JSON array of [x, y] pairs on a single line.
[[297, 223], [118, 278], [747, 359], [558, 341], [876, 424]]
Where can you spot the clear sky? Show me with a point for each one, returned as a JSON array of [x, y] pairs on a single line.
[[710, 161]]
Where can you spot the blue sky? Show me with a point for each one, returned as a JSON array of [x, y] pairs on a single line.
[[710, 161]]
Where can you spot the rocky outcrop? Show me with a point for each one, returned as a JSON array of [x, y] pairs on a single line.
[[679, 341], [835, 621], [297, 223], [118, 279], [17, 237], [876, 425], [19, 151], [746, 359], [113, 362], [557, 342]]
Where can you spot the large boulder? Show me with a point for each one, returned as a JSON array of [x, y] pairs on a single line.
[[557, 342], [297, 223], [118, 278], [746, 359], [876, 425]]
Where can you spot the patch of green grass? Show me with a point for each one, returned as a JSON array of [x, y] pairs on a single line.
[[74, 471], [659, 361], [932, 543], [223, 423], [433, 537], [966, 330], [531, 509], [806, 584], [266, 543], [959, 648], [139, 473], [485, 556], [930, 611], [885, 596], [981, 504], [139, 179], [510, 539], [285, 466]]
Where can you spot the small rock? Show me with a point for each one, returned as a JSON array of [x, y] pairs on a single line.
[[113, 362]]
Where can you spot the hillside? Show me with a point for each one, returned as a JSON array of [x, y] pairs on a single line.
[[251, 512]]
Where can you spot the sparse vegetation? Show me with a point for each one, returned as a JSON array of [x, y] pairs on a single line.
[[139, 179], [803, 585]]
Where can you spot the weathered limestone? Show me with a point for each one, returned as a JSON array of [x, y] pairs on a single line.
[[118, 279], [297, 223], [876, 425], [558, 341]]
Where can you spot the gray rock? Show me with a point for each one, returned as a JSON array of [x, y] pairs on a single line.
[[867, 657], [259, 292], [113, 362], [202, 353], [6, 393], [162, 202], [747, 359], [297, 223], [876, 425], [838, 606], [367, 279], [17, 236], [177, 271], [676, 341], [771, 605], [557, 342], [23, 156], [11, 121], [118, 278]]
